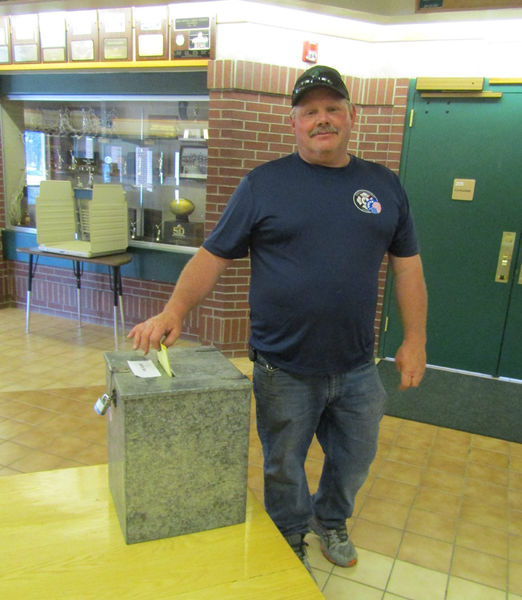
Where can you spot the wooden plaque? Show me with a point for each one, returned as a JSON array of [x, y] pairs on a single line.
[[5, 41], [115, 27], [53, 37], [82, 35], [193, 37], [151, 37], [25, 42]]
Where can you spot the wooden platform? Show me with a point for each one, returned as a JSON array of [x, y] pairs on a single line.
[[60, 539]]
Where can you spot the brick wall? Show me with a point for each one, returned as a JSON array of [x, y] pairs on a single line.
[[248, 125], [4, 273]]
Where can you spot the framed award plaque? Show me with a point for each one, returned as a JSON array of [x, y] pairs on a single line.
[[193, 37], [115, 27], [53, 42], [5, 49], [25, 44], [82, 35], [151, 32]]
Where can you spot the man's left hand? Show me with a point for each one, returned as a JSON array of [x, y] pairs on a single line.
[[410, 361]]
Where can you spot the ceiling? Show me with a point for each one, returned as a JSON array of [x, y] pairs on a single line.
[[397, 11], [382, 11]]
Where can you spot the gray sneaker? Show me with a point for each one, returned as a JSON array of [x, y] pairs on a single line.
[[298, 545], [335, 544]]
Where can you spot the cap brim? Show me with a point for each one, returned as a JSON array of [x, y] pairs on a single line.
[[297, 97]]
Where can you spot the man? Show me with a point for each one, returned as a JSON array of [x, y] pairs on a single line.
[[316, 224]]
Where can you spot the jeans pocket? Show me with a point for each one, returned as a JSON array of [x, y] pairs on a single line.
[[264, 365]]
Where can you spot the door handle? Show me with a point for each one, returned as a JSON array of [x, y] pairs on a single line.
[[505, 256]]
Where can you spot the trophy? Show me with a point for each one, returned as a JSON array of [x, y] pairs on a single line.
[[182, 208], [181, 231]]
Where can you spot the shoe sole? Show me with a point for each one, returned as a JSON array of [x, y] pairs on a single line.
[[352, 563]]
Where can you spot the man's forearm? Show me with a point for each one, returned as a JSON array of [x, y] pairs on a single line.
[[195, 283], [412, 298], [413, 305]]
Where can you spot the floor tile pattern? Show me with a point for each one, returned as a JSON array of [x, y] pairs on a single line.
[[439, 518]]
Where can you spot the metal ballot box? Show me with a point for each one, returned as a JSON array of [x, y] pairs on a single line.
[[178, 446]]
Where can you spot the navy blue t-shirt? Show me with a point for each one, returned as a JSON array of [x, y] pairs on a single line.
[[316, 237]]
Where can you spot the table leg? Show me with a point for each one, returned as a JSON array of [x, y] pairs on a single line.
[[115, 290], [77, 269], [27, 309], [30, 274], [120, 299]]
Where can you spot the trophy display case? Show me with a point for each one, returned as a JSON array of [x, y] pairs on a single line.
[[154, 146]]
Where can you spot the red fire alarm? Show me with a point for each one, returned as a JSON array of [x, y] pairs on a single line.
[[310, 52]]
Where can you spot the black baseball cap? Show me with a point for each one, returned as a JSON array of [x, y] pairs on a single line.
[[319, 76]]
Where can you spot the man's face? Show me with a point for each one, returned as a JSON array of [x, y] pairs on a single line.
[[322, 123]]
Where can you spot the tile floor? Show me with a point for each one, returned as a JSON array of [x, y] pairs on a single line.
[[440, 516]]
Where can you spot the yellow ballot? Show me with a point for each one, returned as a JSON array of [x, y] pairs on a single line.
[[163, 359]]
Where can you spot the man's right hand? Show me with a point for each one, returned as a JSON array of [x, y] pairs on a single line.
[[151, 332]]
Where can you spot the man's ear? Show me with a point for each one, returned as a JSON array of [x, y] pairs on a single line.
[[292, 119], [353, 112]]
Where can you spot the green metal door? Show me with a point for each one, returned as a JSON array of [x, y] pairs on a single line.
[[474, 321]]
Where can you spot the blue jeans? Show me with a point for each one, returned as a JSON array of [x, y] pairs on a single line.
[[344, 411]]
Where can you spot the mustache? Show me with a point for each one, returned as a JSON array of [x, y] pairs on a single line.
[[323, 129]]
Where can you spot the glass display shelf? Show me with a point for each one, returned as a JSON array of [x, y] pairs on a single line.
[[155, 147]]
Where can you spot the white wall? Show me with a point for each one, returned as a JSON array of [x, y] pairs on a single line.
[[275, 35]]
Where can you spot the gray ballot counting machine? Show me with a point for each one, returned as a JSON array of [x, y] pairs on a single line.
[[177, 445]]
